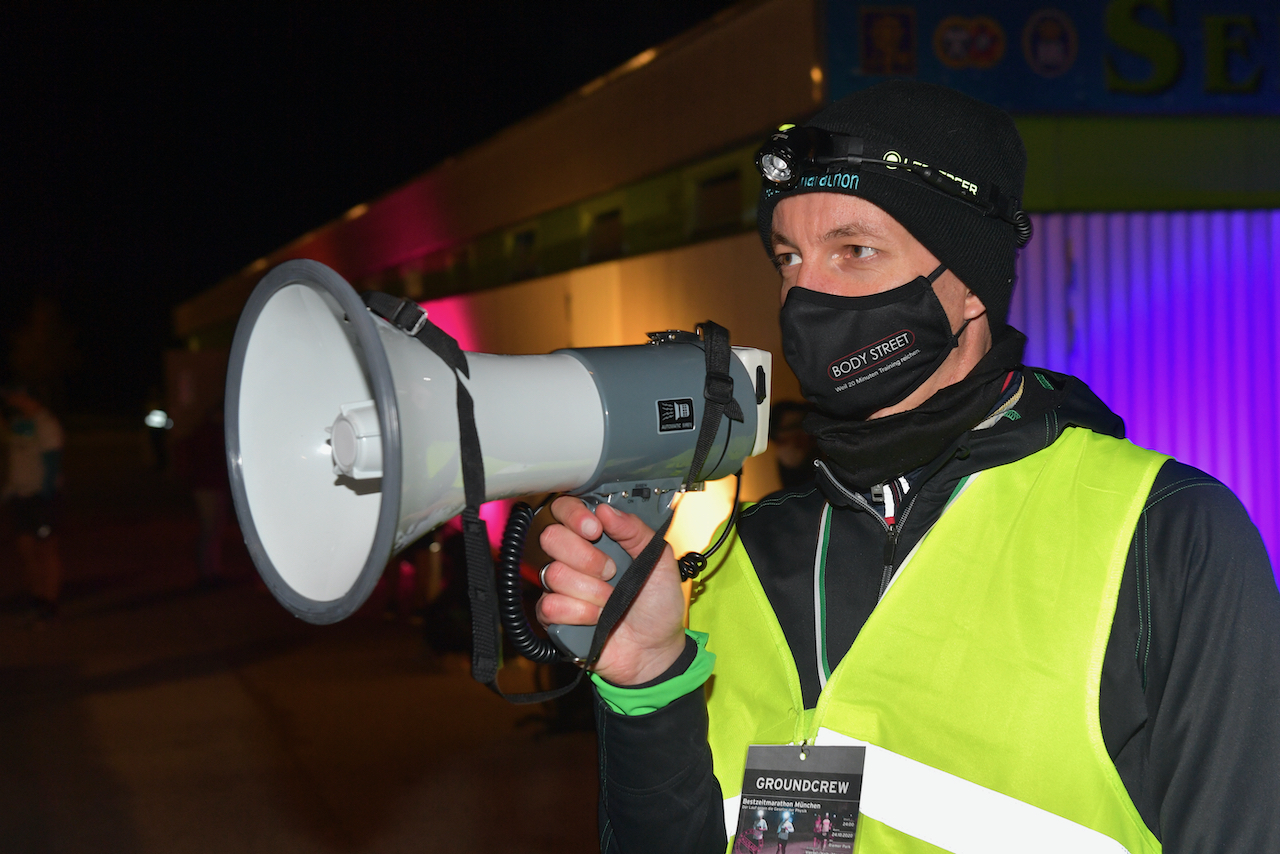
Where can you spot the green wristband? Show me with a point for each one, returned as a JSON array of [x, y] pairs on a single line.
[[642, 701]]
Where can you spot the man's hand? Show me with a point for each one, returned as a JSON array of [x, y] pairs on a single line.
[[650, 637]]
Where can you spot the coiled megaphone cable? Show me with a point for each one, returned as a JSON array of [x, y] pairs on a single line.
[[511, 597]]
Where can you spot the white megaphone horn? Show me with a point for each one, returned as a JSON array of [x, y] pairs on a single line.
[[343, 437]]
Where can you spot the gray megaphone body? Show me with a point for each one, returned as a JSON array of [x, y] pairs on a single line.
[[343, 435]]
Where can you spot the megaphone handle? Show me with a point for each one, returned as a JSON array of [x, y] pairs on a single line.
[[576, 640]]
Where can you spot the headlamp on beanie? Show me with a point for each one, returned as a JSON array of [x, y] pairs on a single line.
[[795, 156], [793, 150]]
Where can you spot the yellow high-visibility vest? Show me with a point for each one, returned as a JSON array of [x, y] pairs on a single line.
[[974, 682]]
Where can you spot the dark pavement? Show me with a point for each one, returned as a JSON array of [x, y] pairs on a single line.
[[155, 717]]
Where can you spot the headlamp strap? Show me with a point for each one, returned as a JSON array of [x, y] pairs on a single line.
[[830, 151], [844, 149]]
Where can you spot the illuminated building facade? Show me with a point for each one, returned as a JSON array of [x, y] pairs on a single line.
[[1151, 128]]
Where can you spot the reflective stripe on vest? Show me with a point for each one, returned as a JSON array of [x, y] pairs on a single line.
[[980, 682]]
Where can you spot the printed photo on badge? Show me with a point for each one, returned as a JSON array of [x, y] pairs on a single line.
[[799, 799]]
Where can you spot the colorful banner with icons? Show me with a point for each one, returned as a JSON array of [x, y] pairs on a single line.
[[1211, 57]]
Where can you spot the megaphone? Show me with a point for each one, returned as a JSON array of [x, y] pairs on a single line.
[[343, 435]]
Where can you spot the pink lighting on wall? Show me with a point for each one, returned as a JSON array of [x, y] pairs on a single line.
[[453, 315]]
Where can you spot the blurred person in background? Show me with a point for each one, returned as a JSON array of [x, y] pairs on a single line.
[[794, 448], [31, 494]]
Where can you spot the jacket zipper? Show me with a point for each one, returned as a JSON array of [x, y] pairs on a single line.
[[891, 529], [891, 544], [855, 497]]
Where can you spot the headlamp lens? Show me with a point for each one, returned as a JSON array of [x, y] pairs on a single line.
[[775, 168]]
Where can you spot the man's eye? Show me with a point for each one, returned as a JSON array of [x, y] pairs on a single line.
[[857, 252], [786, 259]]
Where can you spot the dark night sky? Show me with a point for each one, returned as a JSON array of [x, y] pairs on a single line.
[[150, 149]]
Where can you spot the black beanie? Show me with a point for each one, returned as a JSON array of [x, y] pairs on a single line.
[[913, 121]]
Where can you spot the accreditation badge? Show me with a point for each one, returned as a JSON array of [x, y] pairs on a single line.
[[800, 799]]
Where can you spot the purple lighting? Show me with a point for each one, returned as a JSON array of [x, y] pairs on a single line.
[[1173, 319]]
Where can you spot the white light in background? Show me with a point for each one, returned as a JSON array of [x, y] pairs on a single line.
[[159, 420]]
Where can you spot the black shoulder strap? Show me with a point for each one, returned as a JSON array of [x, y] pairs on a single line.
[[486, 634]]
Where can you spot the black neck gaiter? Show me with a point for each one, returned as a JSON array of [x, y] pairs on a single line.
[[867, 453]]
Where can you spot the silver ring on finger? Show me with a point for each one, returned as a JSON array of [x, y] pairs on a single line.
[[542, 577]]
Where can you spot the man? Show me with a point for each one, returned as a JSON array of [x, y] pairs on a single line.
[[1081, 653]]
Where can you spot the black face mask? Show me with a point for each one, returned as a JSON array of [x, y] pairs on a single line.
[[857, 355]]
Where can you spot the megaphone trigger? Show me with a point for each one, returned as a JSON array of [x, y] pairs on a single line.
[[652, 504]]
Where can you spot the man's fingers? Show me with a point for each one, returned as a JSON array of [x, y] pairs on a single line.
[[649, 637], [577, 575], [555, 609], [575, 516], [570, 549], [564, 580], [624, 529]]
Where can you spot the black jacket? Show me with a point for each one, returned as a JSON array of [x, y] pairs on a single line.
[[1190, 693]]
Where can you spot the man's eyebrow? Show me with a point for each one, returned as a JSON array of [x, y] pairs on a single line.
[[856, 228]]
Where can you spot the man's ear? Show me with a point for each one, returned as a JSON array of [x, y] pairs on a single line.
[[973, 307]]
